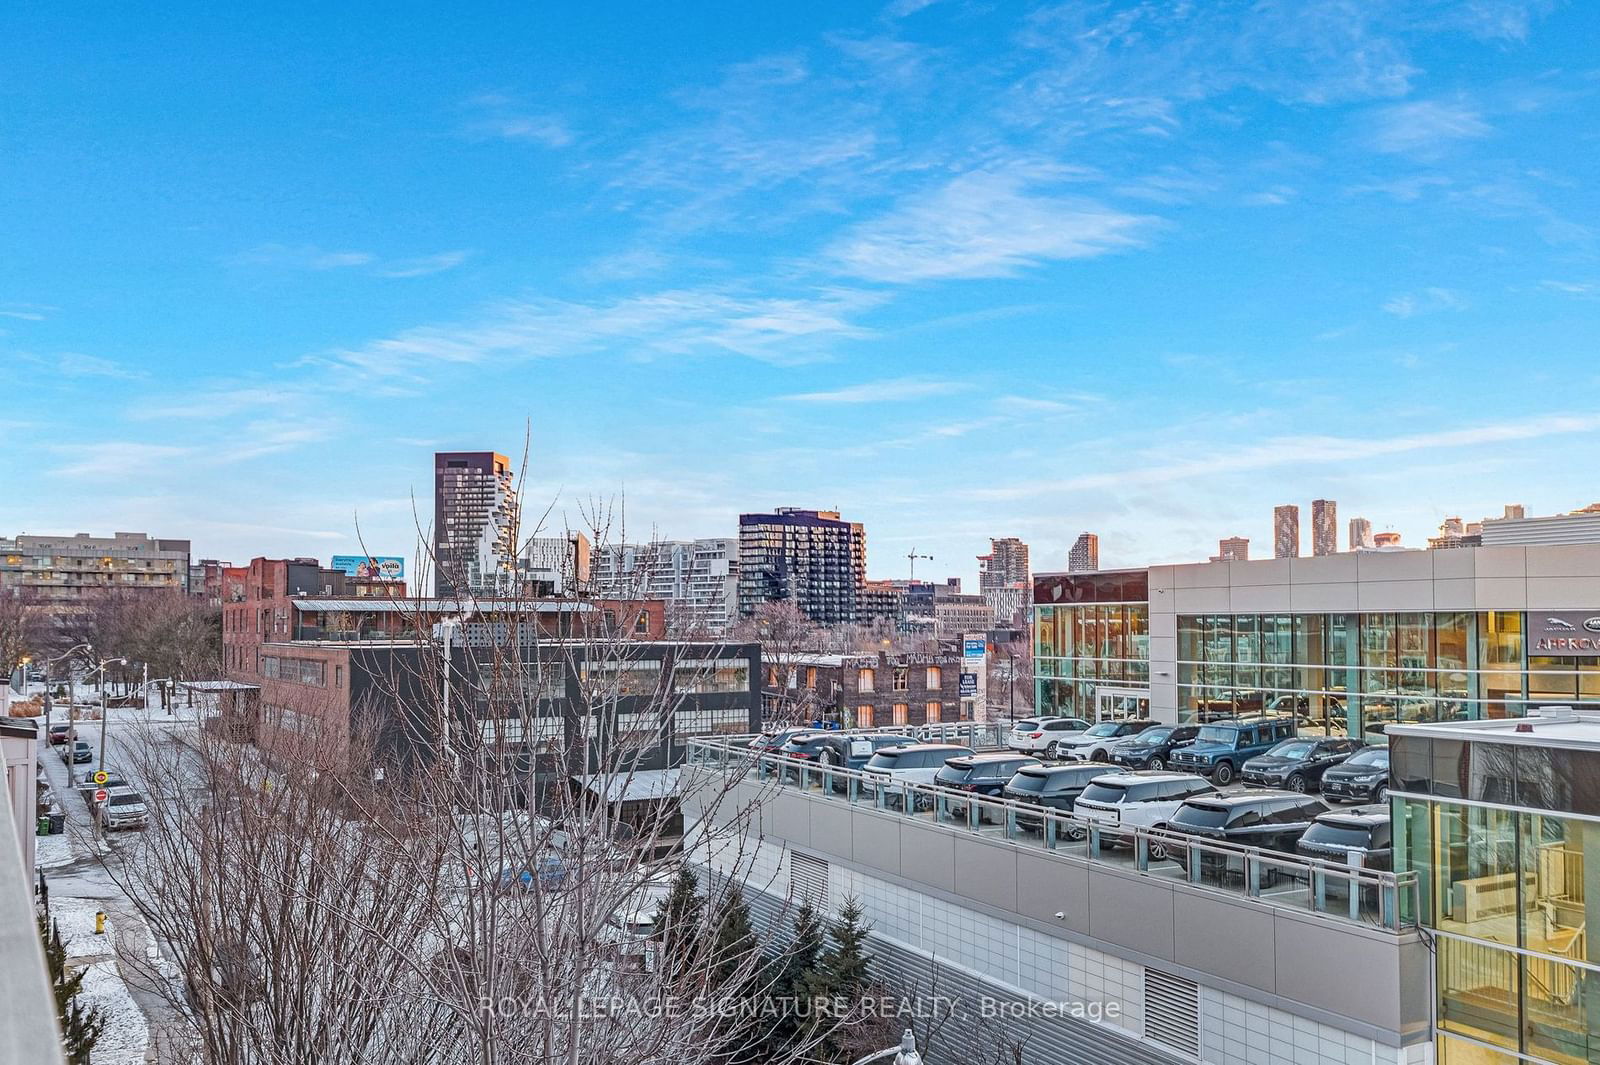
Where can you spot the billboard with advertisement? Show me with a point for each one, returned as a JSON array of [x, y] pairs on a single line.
[[974, 646], [386, 567]]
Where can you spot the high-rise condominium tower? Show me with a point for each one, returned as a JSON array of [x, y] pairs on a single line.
[[1360, 533], [474, 523], [1085, 554], [1004, 566], [1286, 531], [1324, 527], [812, 558]]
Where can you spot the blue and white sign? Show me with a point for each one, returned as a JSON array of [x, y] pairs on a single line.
[[386, 567], [974, 647]]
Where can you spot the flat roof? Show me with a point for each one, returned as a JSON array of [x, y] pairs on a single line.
[[632, 787], [376, 605], [1576, 727]]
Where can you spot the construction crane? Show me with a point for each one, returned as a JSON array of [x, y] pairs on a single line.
[[913, 556]]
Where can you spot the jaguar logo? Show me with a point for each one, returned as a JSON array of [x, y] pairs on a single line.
[[1561, 624]]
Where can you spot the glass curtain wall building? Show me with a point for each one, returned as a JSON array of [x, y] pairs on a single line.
[[1359, 673], [1499, 818], [1092, 644]]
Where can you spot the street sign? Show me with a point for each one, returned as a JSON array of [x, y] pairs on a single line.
[[101, 776], [969, 685], [101, 794]]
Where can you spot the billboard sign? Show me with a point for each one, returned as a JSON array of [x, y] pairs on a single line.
[[969, 685], [974, 646], [1564, 632], [386, 567]]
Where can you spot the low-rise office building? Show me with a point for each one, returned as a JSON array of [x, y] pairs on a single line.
[[1352, 642], [866, 690], [1500, 821]]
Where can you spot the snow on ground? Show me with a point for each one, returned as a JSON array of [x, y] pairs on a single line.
[[52, 852], [75, 918], [126, 1036]]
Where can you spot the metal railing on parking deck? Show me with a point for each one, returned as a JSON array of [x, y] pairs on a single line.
[[1371, 897]]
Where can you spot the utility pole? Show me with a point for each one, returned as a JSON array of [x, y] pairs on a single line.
[[913, 556]]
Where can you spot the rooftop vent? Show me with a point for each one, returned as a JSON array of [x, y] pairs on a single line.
[[1524, 726]]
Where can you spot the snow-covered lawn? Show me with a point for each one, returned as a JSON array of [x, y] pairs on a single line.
[[126, 1036]]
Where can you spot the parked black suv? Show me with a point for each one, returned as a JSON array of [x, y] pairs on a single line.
[[980, 774], [1270, 820], [1363, 777], [1151, 748], [1053, 787], [1339, 835], [1297, 764]]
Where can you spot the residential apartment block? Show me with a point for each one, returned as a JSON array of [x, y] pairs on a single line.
[[474, 523], [65, 570], [697, 579], [811, 558]]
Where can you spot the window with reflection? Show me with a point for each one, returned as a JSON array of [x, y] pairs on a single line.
[[1478, 992], [1476, 868]]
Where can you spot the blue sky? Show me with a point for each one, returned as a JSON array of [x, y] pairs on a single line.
[[956, 269]]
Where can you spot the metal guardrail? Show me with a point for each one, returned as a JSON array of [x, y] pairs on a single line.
[[1369, 897]]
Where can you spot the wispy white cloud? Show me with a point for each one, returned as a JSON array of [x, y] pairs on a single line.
[[501, 116], [1426, 127], [1276, 196], [1306, 450], [117, 460], [1070, 403], [1425, 301], [311, 257], [670, 323], [301, 257], [1584, 289], [981, 224], [73, 364], [428, 264], [893, 391], [26, 312]]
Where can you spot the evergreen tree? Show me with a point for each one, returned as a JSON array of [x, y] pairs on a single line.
[[680, 921], [797, 979], [80, 1026], [844, 965], [733, 939]]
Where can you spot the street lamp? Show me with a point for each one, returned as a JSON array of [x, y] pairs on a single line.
[[72, 732], [904, 1054], [104, 662]]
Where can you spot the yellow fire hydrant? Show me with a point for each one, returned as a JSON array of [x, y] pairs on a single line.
[[100, 922]]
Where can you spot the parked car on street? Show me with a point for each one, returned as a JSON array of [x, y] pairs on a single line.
[[912, 763], [59, 731], [1220, 749], [1095, 744], [1152, 747], [1143, 797], [549, 870], [1043, 735], [1363, 777], [1049, 787], [1297, 764], [1360, 835], [1269, 820], [79, 751], [124, 808]]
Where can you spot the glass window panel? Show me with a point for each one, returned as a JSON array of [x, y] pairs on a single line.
[[1476, 866], [1246, 639], [1477, 992], [1557, 999], [1500, 639], [1138, 635], [1492, 773], [1378, 640], [1189, 645], [1552, 679], [1449, 768], [1411, 763]]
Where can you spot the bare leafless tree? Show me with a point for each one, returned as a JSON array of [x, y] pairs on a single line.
[[23, 629]]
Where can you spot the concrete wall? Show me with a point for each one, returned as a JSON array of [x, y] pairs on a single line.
[[1360, 979]]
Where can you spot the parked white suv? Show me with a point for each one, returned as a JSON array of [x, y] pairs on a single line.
[[1044, 735], [1095, 745], [910, 763], [1146, 797], [123, 808]]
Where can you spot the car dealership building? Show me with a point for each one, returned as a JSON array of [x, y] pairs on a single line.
[[1350, 643]]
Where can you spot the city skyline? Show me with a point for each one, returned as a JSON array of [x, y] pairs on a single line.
[[737, 251]]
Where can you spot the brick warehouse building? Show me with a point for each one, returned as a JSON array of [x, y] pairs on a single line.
[[306, 652], [866, 690]]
